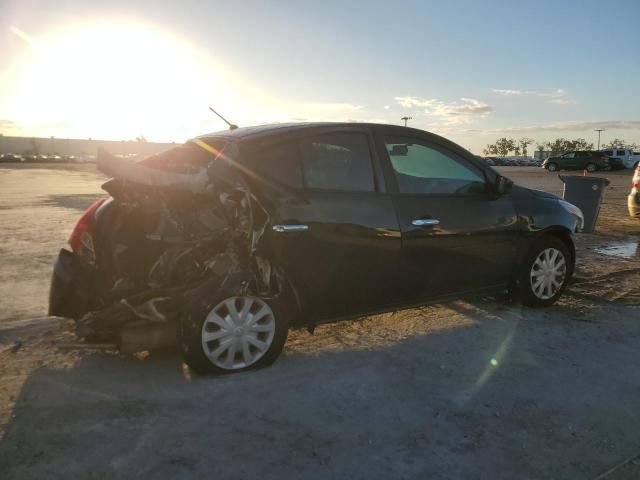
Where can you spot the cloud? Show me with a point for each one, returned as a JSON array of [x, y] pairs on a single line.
[[565, 126], [557, 96], [455, 112], [7, 124]]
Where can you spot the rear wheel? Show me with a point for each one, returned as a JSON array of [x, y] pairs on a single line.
[[544, 273], [591, 167], [552, 167], [235, 334]]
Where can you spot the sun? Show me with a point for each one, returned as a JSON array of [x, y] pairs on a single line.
[[118, 80]]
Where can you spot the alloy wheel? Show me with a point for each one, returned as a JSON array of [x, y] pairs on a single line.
[[548, 273], [237, 332]]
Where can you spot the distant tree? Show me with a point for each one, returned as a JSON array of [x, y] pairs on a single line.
[[560, 145], [620, 143], [141, 139], [502, 147], [523, 143]]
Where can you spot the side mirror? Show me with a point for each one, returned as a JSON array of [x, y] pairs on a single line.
[[503, 185]]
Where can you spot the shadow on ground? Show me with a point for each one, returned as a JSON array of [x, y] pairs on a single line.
[[511, 394]]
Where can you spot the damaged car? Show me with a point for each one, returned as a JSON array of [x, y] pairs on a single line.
[[225, 243]]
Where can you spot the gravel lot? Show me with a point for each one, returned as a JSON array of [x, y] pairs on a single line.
[[481, 390]]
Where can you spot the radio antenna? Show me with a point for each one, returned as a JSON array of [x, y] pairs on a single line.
[[232, 126]]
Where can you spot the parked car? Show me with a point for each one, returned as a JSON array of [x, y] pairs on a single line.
[[10, 158], [580, 160], [493, 161], [237, 236], [633, 201], [623, 156]]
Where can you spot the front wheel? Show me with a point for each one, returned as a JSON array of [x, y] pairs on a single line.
[[235, 334], [591, 167], [552, 167], [544, 273]]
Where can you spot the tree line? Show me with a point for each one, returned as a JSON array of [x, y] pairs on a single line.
[[504, 146]]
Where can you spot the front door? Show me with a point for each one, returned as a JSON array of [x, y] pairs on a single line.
[[456, 238]]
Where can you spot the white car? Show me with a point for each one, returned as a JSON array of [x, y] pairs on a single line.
[[628, 157]]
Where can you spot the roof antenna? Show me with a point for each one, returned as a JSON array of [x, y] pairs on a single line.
[[232, 126]]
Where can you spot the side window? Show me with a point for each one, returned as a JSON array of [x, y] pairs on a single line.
[[608, 152], [569, 155], [582, 155], [620, 153], [421, 168], [278, 162], [337, 161]]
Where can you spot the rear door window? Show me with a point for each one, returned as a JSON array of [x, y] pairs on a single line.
[[280, 163], [337, 161]]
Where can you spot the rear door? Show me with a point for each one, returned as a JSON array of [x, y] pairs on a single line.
[[583, 159], [569, 160], [338, 237], [455, 238]]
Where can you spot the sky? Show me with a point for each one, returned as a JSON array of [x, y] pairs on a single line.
[[470, 70]]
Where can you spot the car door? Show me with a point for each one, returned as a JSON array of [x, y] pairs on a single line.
[[568, 160], [456, 238], [583, 159], [338, 237]]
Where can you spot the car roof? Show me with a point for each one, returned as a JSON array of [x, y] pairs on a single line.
[[253, 132]]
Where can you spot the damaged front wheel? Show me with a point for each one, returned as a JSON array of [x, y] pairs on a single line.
[[238, 333]]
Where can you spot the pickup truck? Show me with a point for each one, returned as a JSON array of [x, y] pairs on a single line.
[[628, 157]]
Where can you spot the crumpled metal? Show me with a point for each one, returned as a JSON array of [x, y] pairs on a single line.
[[207, 229]]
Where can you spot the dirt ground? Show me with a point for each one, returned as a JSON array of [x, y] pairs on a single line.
[[481, 390]]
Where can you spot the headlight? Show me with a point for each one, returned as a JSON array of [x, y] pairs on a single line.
[[571, 208]]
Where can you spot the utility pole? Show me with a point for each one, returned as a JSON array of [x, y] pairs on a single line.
[[405, 120], [599, 130]]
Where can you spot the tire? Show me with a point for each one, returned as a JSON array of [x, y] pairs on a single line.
[[552, 167], [540, 265], [591, 167], [241, 347]]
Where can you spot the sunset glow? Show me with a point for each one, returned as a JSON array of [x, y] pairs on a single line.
[[119, 80]]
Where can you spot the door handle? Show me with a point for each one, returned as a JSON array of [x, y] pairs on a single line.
[[290, 228], [424, 222]]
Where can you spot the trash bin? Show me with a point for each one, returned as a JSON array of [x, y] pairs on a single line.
[[586, 194]]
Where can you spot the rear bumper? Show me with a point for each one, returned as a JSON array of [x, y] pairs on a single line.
[[71, 286], [633, 202]]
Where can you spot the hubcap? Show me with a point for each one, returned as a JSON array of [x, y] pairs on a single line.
[[548, 273], [238, 332]]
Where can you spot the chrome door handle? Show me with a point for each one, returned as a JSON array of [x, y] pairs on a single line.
[[290, 228], [424, 222]]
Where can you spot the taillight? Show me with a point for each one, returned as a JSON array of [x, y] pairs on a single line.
[[82, 235]]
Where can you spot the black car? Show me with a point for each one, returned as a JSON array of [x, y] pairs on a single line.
[[235, 237], [579, 160]]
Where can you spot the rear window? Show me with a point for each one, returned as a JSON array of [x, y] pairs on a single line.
[[185, 158], [337, 161]]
